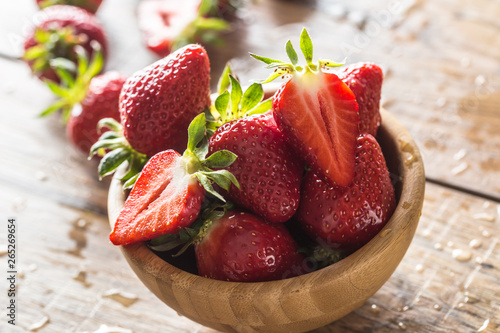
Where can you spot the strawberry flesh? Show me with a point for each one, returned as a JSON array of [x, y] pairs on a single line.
[[164, 199], [158, 103], [320, 120], [365, 81], [348, 217], [267, 171], [242, 247]]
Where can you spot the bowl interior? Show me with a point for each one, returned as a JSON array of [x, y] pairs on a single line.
[[297, 304]]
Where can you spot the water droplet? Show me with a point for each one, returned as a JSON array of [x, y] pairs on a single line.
[[475, 243], [486, 204], [405, 308], [426, 233], [374, 308], [402, 326], [438, 246], [126, 299], [462, 167], [480, 80], [462, 255], [450, 244], [484, 217], [486, 234], [39, 324], [437, 307], [478, 260], [460, 154], [484, 326], [419, 268]]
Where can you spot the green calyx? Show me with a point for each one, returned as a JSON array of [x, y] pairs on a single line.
[[203, 28], [200, 166], [74, 79], [285, 69], [115, 151], [234, 103]]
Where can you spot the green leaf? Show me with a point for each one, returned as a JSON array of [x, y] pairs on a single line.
[[252, 96], [97, 62], [220, 159], [276, 74], [110, 123], [202, 149], [330, 64], [35, 52], [212, 23], [112, 160], [266, 60], [262, 107], [57, 89], [131, 181], [83, 60], [236, 94], [196, 131], [223, 83], [292, 55], [221, 104], [207, 185], [66, 78], [223, 178], [42, 36], [54, 107], [306, 46], [205, 7], [63, 63]]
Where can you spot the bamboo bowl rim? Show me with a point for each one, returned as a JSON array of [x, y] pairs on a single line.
[[318, 288]]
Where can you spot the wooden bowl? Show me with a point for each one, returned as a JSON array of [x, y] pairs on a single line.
[[305, 302]]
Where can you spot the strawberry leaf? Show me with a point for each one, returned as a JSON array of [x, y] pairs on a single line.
[[262, 107], [219, 159], [236, 94], [111, 161], [266, 60], [207, 185], [306, 46], [196, 131], [292, 55], [252, 96], [221, 104], [223, 83]]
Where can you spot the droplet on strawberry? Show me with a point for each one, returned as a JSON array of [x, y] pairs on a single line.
[[242, 247], [158, 103], [316, 112], [346, 218], [266, 169], [365, 81]]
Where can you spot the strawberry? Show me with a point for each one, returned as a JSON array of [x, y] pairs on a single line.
[[266, 169], [170, 189], [167, 25], [365, 81], [101, 101], [52, 43], [90, 5], [317, 113], [346, 218], [242, 247], [158, 102]]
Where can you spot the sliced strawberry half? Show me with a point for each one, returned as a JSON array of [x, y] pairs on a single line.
[[164, 199], [317, 112], [321, 121]]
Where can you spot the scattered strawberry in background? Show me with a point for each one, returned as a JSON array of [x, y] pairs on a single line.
[[52, 42], [167, 25], [346, 218], [89, 5], [101, 101], [243, 247], [158, 102], [365, 81], [168, 194], [317, 113]]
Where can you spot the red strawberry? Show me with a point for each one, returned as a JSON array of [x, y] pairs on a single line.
[[100, 102], [167, 25], [317, 113], [242, 247], [60, 30], [90, 5], [346, 218], [158, 103], [365, 81], [267, 171], [170, 189]]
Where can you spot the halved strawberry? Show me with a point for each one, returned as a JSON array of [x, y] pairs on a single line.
[[242, 247], [346, 218], [170, 189], [365, 81], [317, 113]]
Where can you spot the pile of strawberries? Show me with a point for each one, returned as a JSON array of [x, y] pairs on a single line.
[[263, 188]]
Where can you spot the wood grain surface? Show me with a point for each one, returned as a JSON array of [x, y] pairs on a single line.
[[442, 83]]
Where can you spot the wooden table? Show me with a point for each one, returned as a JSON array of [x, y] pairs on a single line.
[[441, 60]]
